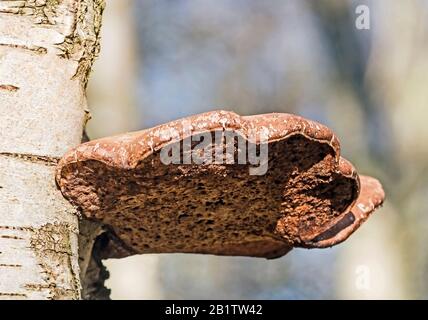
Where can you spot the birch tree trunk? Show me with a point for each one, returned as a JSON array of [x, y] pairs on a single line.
[[46, 52]]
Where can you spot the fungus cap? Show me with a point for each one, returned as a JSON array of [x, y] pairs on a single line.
[[308, 196]]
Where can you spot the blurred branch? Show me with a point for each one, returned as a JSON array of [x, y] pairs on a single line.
[[350, 49]]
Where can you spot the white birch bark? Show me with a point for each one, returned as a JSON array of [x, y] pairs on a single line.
[[46, 51]]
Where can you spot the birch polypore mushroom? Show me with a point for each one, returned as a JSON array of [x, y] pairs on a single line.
[[159, 191]]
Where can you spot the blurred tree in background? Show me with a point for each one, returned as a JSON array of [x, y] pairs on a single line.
[[163, 60]]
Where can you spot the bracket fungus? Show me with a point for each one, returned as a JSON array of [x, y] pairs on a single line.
[[308, 196]]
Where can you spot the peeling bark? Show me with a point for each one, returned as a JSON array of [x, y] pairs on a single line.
[[47, 48]]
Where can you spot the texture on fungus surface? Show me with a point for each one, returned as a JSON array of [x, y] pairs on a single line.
[[304, 199]]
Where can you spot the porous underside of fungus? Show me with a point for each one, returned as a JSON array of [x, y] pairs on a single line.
[[308, 197]]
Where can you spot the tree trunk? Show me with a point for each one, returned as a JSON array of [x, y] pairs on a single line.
[[46, 52]]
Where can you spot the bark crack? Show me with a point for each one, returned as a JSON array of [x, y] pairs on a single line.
[[12, 294], [6, 265], [51, 244], [16, 44], [50, 161], [83, 44], [9, 87], [11, 237], [43, 11]]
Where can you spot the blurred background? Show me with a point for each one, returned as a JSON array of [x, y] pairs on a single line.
[[162, 60]]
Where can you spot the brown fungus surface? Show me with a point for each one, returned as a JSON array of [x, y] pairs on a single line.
[[307, 197]]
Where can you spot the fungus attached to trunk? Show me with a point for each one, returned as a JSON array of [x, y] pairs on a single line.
[[260, 186]]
